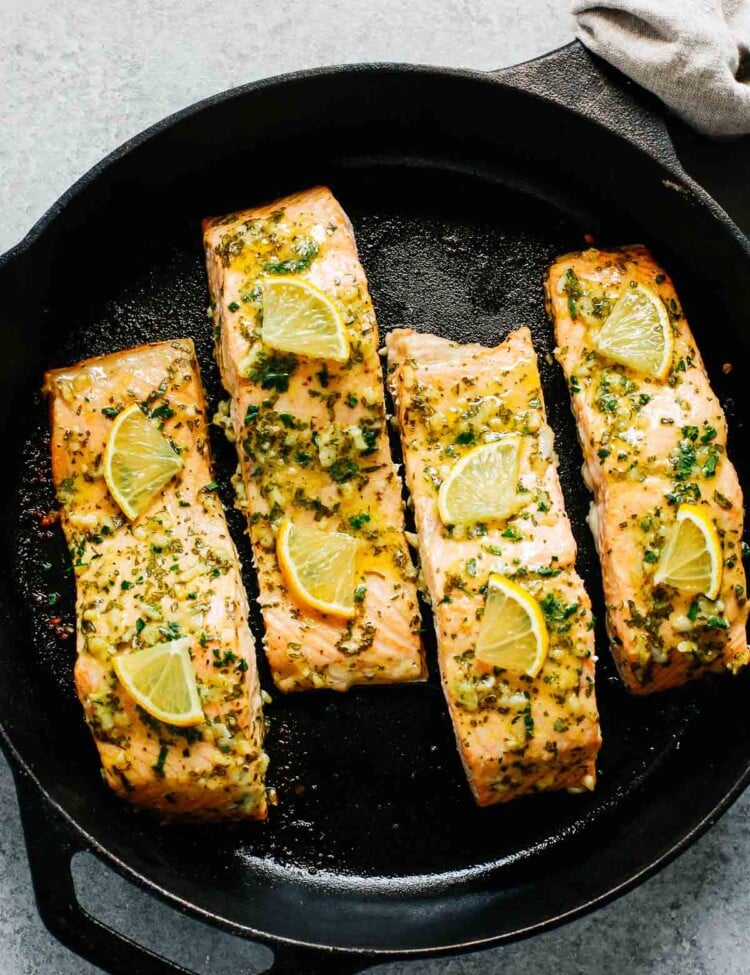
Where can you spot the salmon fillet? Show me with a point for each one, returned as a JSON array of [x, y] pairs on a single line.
[[173, 572], [649, 446], [516, 734], [313, 446]]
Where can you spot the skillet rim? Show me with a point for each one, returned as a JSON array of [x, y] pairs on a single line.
[[504, 78]]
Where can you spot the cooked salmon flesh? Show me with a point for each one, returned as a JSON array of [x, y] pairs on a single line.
[[516, 734], [650, 445], [312, 444], [171, 573]]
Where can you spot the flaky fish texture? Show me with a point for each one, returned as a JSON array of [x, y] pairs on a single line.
[[312, 444], [516, 734], [649, 446], [173, 572]]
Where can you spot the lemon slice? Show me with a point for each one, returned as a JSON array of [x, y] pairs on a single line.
[[319, 567], [162, 680], [299, 318], [138, 461], [482, 486], [692, 557], [513, 635], [637, 333]]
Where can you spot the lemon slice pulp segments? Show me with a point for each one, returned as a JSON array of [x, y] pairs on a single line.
[[513, 635], [482, 486], [299, 318], [637, 333], [319, 567], [162, 680], [692, 558], [138, 461]]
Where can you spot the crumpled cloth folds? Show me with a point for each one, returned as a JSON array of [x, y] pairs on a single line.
[[693, 54]]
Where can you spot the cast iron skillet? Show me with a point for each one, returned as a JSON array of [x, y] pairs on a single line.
[[461, 186]]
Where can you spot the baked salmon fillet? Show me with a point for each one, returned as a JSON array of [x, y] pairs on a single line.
[[173, 572], [516, 734], [650, 446], [312, 443]]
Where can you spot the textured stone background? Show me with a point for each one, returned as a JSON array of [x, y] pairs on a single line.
[[77, 77]]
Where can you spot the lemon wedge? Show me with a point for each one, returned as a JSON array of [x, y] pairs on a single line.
[[692, 558], [637, 333], [138, 461], [482, 486], [319, 567], [513, 635], [299, 318], [162, 680]]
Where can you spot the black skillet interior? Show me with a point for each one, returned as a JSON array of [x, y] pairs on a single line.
[[460, 191]]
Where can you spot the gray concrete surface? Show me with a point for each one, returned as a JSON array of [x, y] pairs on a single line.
[[77, 77]]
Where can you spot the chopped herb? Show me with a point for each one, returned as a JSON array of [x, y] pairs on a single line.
[[323, 375], [359, 594], [690, 432], [660, 278], [683, 460], [126, 584], [158, 767], [650, 556], [513, 534], [745, 550], [603, 453], [252, 414], [683, 493], [547, 570], [471, 567], [466, 437], [162, 412], [692, 612], [722, 501], [211, 486], [572, 288], [493, 549], [709, 433], [709, 468], [273, 372], [557, 612], [528, 721], [574, 384], [171, 631], [343, 470], [351, 400], [739, 591], [716, 623], [287, 419], [242, 665], [112, 411], [306, 250], [601, 307], [233, 306], [52, 598], [357, 521], [139, 625], [370, 438]]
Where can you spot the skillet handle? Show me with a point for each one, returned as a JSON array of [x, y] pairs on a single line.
[[575, 78], [51, 846]]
